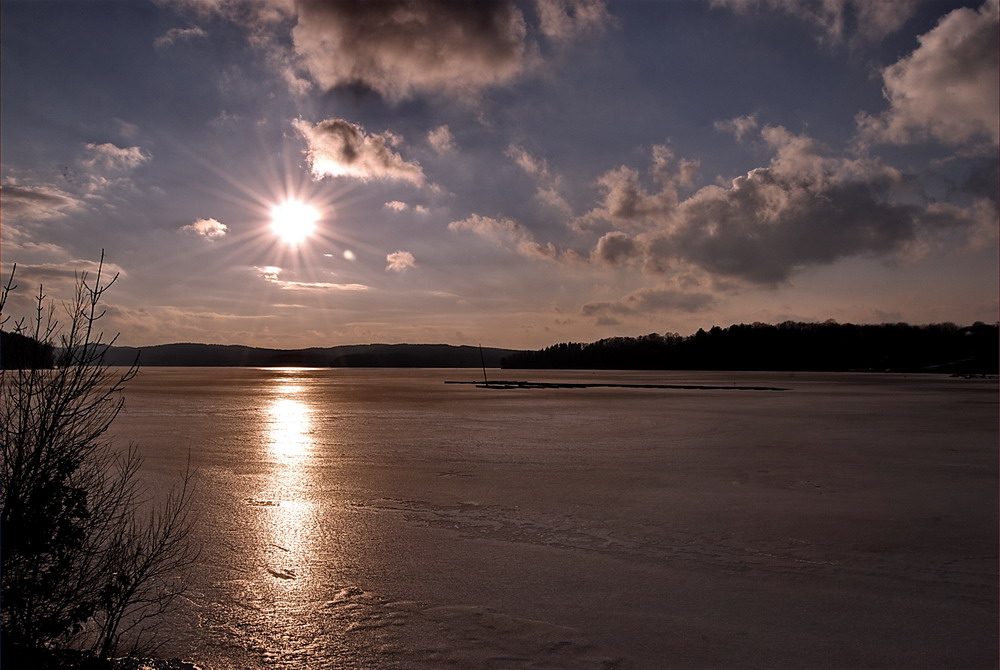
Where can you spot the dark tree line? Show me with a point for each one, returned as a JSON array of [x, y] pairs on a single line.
[[829, 346], [20, 352]]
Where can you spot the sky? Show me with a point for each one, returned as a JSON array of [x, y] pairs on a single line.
[[514, 174]]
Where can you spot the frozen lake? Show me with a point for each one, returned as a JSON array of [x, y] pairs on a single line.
[[383, 519]]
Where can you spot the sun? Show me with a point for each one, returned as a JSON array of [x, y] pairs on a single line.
[[293, 221]]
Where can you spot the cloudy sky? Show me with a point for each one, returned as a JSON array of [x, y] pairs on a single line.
[[510, 173]]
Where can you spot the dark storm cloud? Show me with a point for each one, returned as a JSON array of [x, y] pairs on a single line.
[[397, 47], [766, 226], [402, 47], [804, 209], [615, 248]]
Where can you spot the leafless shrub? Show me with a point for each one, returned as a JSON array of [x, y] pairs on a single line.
[[86, 559]]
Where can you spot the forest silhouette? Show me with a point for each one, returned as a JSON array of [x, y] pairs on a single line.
[[792, 346]]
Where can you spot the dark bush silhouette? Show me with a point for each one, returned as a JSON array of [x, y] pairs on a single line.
[[18, 352], [85, 562]]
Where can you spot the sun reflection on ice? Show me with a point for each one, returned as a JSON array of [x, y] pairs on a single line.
[[289, 429], [288, 524]]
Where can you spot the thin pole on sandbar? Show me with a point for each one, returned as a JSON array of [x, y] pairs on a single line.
[[482, 359]]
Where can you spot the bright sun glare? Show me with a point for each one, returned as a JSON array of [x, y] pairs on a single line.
[[293, 221]]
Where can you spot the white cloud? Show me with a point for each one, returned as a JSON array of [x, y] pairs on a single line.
[[339, 148], [113, 158], [210, 229], [441, 140], [400, 261], [947, 88], [399, 206]]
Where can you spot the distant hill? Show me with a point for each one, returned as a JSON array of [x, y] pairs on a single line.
[[356, 355]]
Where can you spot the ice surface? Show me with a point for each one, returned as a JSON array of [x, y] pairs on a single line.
[[383, 519]]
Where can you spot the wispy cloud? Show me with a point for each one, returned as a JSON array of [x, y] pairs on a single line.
[[36, 202], [506, 233], [113, 158], [549, 185], [534, 166], [855, 21], [739, 127], [178, 34], [67, 272], [647, 301], [563, 20], [272, 275]]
